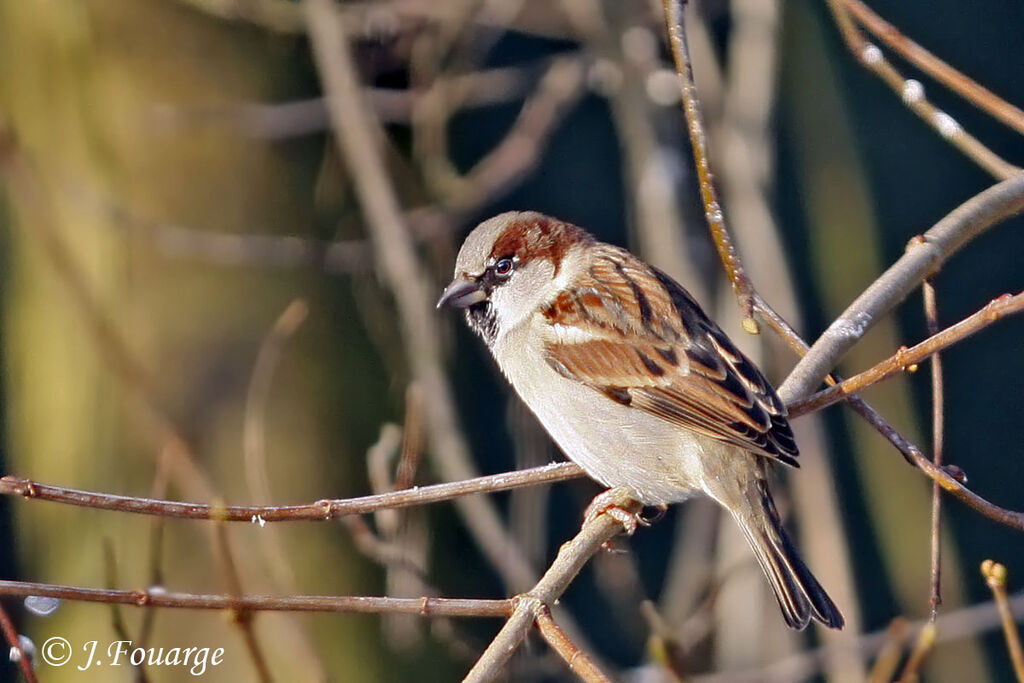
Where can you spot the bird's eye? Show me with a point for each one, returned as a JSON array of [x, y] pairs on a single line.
[[503, 267]]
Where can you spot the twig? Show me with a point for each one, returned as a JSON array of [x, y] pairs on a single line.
[[157, 597], [995, 577], [907, 359], [924, 257], [911, 92], [712, 209], [967, 88], [570, 560], [402, 271], [116, 616], [578, 661], [254, 445], [16, 653], [320, 510], [931, 310], [241, 617]]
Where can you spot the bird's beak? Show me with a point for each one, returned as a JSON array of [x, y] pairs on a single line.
[[461, 293]]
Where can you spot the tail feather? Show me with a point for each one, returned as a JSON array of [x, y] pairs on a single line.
[[799, 594]]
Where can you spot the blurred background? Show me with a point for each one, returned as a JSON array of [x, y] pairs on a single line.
[[193, 307]]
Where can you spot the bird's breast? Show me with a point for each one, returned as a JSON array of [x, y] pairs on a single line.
[[616, 444]]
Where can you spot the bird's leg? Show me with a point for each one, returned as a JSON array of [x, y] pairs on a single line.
[[619, 504]]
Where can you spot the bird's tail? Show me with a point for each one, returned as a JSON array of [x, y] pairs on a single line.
[[800, 596]]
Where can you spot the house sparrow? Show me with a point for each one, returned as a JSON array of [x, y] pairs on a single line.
[[634, 382]]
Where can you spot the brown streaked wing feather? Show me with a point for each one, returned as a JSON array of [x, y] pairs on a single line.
[[646, 343]]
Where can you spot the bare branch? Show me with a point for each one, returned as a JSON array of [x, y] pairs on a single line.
[[16, 653], [570, 560], [924, 257], [911, 92], [158, 597], [582, 665], [320, 510], [967, 88], [712, 209], [907, 359], [995, 577]]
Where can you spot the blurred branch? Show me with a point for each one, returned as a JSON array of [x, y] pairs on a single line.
[[226, 249], [950, 626], [400, 267], [254, 427], [922, 648], [241, 616], [923, 258], [995, 577], [16, 653], [907, 359], [282, 16], [911, 92], [967, 88], [158, 597], [283, 120], [24, 182], [507, 162], [320, 510], [571, 558]]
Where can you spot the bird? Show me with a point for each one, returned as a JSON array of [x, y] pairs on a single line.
[[634, 382]]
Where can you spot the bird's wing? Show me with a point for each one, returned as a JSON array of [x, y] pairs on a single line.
[[632, 333]]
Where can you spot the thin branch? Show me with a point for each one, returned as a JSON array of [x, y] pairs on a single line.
[[578, 661], [401, 269], [995, 577], [712, 209], [117, 622], [911, 92], [158, 597], [570, 560], [924, 257], [967, 88], [320, 510], [16, 653], [907, 359], [241, 617], [931, 310], [254, 447]]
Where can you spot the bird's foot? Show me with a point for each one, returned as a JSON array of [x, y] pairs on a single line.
[[619, 504]]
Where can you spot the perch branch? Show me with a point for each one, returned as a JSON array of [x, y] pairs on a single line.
[[323, 509], [570, 560]]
